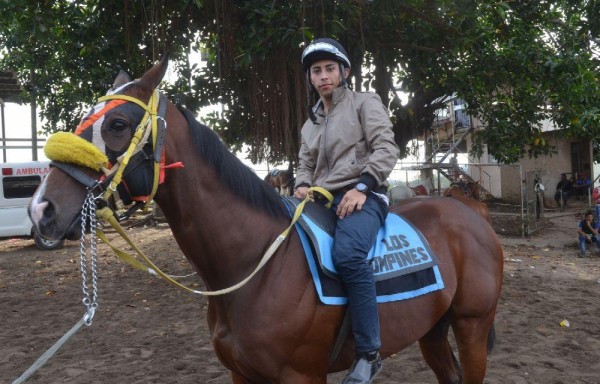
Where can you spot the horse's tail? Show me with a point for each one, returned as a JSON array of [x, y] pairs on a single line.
[[491, 339]]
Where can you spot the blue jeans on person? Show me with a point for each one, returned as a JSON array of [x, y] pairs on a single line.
[[354, 237], [583, 240]]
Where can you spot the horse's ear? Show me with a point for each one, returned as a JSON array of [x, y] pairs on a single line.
[[121, 79], [154, 75]]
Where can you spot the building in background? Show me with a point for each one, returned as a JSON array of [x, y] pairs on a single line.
[[19, 123]]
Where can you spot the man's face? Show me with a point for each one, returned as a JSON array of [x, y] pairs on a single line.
[[325, 77]]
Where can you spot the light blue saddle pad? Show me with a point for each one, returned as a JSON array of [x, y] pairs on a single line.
[[403, 263]]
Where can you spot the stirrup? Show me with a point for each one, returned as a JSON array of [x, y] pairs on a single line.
[[363, 371]]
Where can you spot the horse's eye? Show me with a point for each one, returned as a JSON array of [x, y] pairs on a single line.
[[119, 125]]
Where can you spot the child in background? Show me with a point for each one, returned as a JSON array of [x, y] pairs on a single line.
[[587, 232]]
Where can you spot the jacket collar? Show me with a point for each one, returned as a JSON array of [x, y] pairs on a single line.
[[338, 94]]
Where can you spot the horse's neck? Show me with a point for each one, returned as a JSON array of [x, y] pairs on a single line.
[[220, 235]]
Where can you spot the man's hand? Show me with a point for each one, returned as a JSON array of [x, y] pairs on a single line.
[[301, 192], [352, 201]]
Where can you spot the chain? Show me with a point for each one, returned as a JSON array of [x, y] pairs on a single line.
[[87, 212], [88, 215]]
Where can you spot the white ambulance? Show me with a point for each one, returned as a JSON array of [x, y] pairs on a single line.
[[18, 182]]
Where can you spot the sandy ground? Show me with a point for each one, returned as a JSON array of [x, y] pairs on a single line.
[[146, 331]]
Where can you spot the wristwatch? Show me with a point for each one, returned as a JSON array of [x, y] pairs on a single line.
[[362, 187]]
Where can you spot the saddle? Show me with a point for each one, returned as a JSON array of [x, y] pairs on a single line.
[[404, 266]]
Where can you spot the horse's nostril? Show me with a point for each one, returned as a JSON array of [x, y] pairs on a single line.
[[49, 211], [37, 210], [45, 215]]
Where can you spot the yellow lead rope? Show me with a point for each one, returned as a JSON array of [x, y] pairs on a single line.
[[106, 214]]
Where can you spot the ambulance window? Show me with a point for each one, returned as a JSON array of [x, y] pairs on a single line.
[[19, 187]]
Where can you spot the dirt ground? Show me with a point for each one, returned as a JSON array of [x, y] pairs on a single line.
[[146, 331]]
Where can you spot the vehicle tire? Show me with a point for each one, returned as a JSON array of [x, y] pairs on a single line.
[[47, 245]]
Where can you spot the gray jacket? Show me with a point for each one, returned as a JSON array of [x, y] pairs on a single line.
[[353, 142]]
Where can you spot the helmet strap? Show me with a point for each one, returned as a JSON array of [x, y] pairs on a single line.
[[310, 98], [343, 76]]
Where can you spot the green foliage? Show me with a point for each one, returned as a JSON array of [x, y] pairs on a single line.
[[516, 63], [532, 61], [67, 53]]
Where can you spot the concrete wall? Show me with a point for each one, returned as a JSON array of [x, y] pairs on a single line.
[[560, 162], [551, 166]]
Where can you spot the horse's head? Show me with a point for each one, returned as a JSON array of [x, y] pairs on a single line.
[[464, 188], [116, 147], [475, 190]]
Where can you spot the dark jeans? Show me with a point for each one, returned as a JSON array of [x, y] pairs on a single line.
[[354, 237], [565, 196]]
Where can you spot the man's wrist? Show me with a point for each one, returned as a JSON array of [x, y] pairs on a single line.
[[362, 187], [368, 180], [302, 185]]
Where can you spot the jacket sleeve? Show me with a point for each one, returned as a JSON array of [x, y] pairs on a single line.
[[306, 166], [380, 136]]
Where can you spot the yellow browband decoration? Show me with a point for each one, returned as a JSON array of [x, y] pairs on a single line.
[[69, 148]]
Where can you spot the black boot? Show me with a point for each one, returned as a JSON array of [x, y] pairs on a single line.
[[365, 368]]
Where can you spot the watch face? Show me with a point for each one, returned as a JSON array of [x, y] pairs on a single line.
[[360, 187]]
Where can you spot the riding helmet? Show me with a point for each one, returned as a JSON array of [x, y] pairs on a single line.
[[324, 49]]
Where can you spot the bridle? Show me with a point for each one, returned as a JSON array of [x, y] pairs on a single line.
[[145, 148], [69, 152], [151, 131]]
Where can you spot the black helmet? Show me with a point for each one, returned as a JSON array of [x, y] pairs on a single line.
[[324, 49]]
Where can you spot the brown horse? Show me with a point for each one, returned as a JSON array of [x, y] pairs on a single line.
[[464, 188], [281, 180], [469, 193], [274, 329], [475, 205]]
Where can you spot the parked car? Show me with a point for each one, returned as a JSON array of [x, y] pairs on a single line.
[[18, 182]]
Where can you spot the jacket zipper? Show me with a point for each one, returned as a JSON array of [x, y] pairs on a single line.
[[325, 145]]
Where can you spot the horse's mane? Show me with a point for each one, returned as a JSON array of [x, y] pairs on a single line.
[[232, 173]]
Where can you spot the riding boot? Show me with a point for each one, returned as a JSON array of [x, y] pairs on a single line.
[[365, 368]]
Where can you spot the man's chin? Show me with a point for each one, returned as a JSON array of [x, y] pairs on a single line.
[[326, 93]]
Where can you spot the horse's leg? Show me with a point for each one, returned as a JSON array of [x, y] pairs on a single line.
[[236, 378], [438, 354], [472, 335], [289, 377]]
